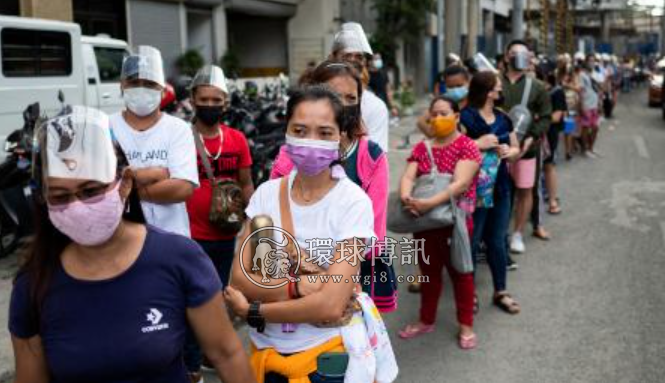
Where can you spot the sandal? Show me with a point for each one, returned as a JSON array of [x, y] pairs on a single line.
[[414, 287], [467, 342], [554, 209], [541, 234], [413, 330], [506, 303]]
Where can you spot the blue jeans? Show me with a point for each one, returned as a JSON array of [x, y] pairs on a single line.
[[221, 254], [491, 226]]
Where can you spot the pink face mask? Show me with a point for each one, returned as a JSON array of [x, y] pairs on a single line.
[[89, 223]]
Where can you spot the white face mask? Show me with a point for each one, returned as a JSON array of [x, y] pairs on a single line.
[[142, 101]]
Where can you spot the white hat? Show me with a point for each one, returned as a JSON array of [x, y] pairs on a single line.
[[211, 75], [79, 145], [146, 64], [352, 39]]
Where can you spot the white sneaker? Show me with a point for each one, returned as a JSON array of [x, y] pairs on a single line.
[[517, 243], [590, 155]]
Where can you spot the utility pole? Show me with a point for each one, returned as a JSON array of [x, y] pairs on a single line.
[[518, 19], [440, 34], [662, 31], [473, 16]]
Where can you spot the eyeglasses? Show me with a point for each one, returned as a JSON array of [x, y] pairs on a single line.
[[90, 194]]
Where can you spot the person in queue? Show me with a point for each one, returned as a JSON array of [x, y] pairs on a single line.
[[317, 201], [456, 154], [524, 171], [364, 163], [159, 147], [101, 296], [559, 112], [591, 81], [228, 156], [351, 45], [457, 79], [493, 132]]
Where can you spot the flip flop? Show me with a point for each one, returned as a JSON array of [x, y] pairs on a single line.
[[511, 307], [411, 331], [556, 210], [468, 342], [542, 236]]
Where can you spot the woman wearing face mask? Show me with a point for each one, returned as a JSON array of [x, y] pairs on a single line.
[[100, 295], [364, 163], [229, 159], [160, 148], [457, 79], [494, 135], [455, 154], [322, 204]]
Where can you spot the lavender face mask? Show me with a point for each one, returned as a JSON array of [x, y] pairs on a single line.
[[311, 157]]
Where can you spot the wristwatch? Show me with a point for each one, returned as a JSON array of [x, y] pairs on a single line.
[[254, 317]]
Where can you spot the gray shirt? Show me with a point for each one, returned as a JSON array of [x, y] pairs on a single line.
[[589, 95]]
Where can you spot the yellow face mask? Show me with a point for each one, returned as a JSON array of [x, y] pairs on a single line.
[[444, 126]]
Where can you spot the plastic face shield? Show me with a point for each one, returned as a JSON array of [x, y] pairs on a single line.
[[352, 39], [482, 64], [79, 145], [146, 64], [210, 75]]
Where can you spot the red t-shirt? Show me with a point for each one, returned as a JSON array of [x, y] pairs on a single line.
[[446, 158], [235, 156]]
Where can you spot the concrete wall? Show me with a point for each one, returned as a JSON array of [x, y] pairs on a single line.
[[48, 9], [311, 32], [259, 42]]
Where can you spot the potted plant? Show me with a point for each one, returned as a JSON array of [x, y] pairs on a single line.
[[190, 62]]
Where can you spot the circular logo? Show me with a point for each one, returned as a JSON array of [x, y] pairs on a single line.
[[270, 259]]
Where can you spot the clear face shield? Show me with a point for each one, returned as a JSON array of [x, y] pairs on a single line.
[[146, 64], [519, 58], [210, 75], [482, 64], [78, 145]]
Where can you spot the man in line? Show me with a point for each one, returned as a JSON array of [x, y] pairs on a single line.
[[351, 45], [538, 103], [159, 147]]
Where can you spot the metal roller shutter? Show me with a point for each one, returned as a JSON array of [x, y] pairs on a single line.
[[157, 24]]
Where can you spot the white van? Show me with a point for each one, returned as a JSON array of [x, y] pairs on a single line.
[[38, 58]]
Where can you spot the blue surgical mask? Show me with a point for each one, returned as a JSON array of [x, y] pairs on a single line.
[[378, 63], [457, 94]]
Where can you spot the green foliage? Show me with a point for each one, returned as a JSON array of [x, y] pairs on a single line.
[[406, 97], [399, 19], [190, 62], [230, 63]]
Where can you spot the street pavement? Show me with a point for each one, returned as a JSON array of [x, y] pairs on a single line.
[[593, 298]]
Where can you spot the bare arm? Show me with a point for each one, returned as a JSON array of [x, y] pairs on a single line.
[[219, 341], [557, 116], [30, 360], [148, 176], [246, 183], [167, 191], [239, 279], [408, 180]]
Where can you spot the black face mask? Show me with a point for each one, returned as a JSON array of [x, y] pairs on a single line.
[[351, 117], [209, 115]]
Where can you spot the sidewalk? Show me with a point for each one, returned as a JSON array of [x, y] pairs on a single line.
[[7, 270]]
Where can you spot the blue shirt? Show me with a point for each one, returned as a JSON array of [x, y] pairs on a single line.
[[130, 328], [476, 127]]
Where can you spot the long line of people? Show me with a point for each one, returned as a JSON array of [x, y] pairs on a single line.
[[142, 219]]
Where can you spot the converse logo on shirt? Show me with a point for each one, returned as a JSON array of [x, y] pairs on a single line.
[[154, 316]]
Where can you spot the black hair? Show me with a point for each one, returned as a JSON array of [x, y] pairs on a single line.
[[455, 70], [315, 93], [517, 42], [447, 99], [330, 69], [481, 85]]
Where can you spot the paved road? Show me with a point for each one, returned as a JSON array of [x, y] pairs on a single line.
[[593, 298]]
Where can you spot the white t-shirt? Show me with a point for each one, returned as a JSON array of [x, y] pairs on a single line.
[[376, 118], [344, 213], [168, 144]]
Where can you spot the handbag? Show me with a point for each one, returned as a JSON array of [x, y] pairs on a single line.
[[460, 245], [489, 169], [227, 207], [427, 185]]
